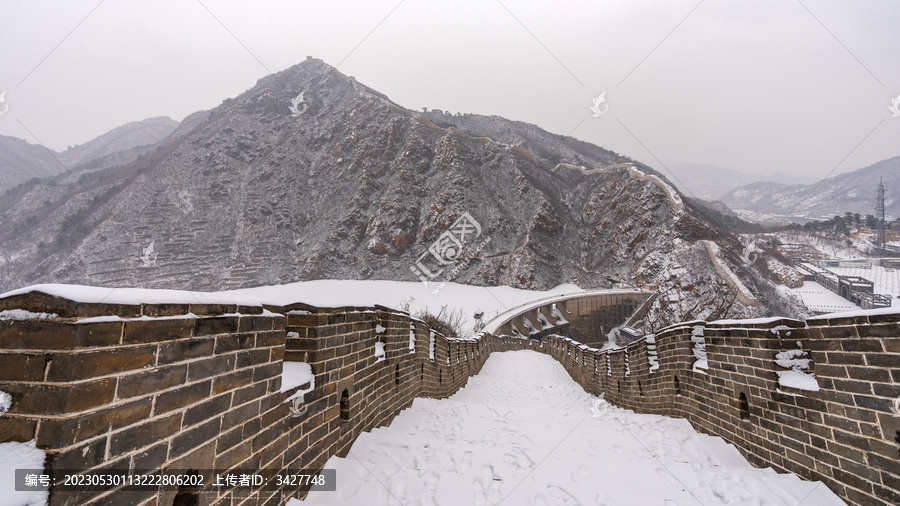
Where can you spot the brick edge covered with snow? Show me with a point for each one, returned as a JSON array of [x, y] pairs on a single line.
[[198, 385]]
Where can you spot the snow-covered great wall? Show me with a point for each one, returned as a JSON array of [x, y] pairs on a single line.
[[200, 384]]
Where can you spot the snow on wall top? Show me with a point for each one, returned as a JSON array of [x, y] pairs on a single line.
[[736, 282], [96, 294], [674, 197], [323, 294]]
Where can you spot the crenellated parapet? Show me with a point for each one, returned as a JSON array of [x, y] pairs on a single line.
[[198, 384]]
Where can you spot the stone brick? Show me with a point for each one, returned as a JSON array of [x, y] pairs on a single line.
[[69, 367], [14, 429], [255, 323], [891, 345], [861, 345], [883, 360], [154, 380], [249, 393], [228, 439], [89, 394], [273, 338], [251, 357], [98, 334], [839, 358], [151, 458], [267, 371], [215, 325], [232, 342], [234, 455], [855, 387], [212, 309], [876, 403], [181, 397], [867, 374], [206, 410], [194, 438], [59, 433], [150, 331], [238, 415], [21, 367], [37, 335], [157, 310], [186, 349], [232, 381], [84, 456], [212, 366], [145, 434]]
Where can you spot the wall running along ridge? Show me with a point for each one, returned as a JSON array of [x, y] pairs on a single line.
[[197, 386]]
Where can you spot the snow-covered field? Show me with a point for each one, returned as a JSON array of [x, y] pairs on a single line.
[[523, 433]]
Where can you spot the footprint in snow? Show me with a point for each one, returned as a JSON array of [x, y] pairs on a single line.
[[519, 460], [603, 499], [487, 488], [562, 497], [580, 474], [465, 465], [669, 477]]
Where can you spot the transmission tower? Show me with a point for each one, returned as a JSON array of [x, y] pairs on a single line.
[[879, 211]]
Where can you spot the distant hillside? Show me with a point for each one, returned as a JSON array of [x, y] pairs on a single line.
[[848, 192], [123, 138], [21, 161], [710, 182]]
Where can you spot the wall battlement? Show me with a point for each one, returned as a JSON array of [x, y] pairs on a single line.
[[198, 386]]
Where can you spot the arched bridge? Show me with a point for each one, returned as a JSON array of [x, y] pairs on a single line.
[[585, 316]]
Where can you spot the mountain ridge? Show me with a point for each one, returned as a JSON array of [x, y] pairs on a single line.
[[312, 175], [846, 192], [21, 161]]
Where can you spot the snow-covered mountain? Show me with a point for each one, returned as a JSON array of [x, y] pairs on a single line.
[[312, 175], [123, 138], [21, 161], [848, 192], [710, 182]]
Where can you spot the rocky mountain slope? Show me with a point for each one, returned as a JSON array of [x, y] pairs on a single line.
[[312, 175], [851, 191]]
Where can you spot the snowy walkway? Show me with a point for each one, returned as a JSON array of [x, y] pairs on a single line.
[[819, 299], [523, 433]]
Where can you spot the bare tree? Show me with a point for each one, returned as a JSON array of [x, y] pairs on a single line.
[[447, 322]]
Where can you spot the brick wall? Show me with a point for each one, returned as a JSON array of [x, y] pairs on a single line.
[[198, 386], [845, 434]]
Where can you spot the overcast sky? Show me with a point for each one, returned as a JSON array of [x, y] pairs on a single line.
[[762, 86]]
